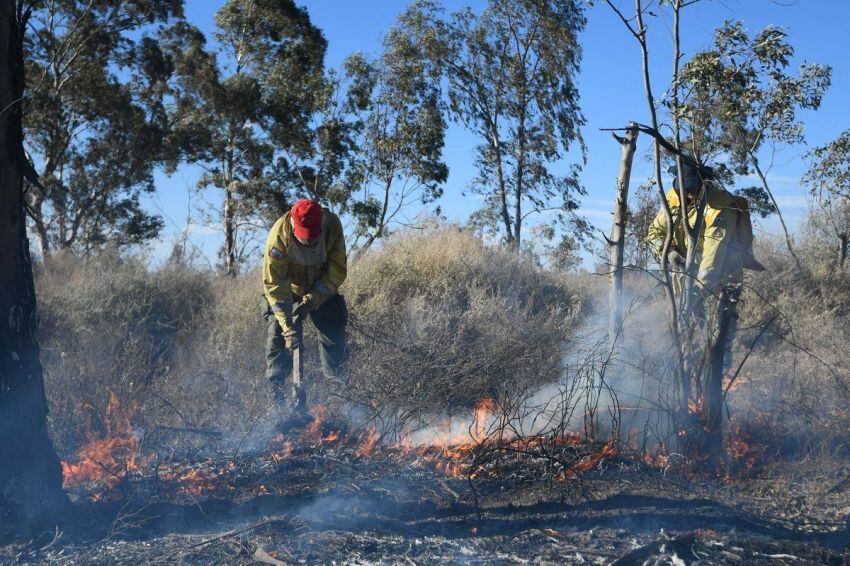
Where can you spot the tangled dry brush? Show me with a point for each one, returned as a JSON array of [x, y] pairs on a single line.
[[439, 320]]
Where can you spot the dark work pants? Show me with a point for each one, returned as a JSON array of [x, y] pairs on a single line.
[[330, 320]]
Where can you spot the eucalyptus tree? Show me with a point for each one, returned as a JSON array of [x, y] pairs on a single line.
[[319, 162], [828, 179], [30, 474], [741, 96], [510, 74], [90, 131], [374, 143], [399, 162], [240, 106]]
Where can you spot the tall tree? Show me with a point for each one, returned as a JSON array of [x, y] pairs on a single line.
[[511, 81], [239, 108], [30, 475], [89, 129], [320, 163], [373, 145], [741, 96], [400, 148]]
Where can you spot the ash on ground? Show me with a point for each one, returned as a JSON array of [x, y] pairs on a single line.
[[331, 504]]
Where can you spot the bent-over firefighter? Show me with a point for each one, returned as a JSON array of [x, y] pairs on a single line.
[[303, 267]]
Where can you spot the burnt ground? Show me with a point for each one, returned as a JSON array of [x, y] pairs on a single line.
[[326, 505]]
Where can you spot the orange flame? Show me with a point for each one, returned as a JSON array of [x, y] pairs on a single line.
[[608, 450], [729, 385], [367, 443], [281, 449], [106, 460], [739, 448], [695, 406], [659, 459], [483, 413], [313, 431]]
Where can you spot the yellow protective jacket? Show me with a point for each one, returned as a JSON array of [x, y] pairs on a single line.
[[290, 268], [724, 243]]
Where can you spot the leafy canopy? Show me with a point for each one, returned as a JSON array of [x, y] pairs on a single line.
[[93, 125]]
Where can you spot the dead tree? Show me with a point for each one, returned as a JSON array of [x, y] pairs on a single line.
[[30, 475], [618, 230]]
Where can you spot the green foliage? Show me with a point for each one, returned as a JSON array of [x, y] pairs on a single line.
[[829, 172], [828, 179], [400, 148], [236, 110], [759, 201], [740, 94], [319, 164], [510, 79], [93, 126]]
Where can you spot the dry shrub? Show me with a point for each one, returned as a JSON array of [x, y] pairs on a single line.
[[217, 382], [180, 348], [797, 379], [110, 325], [439, 321]]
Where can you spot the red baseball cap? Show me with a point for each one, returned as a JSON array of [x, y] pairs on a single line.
[[306, 219]]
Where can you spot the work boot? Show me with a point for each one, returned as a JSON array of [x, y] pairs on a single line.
[[295, 414]]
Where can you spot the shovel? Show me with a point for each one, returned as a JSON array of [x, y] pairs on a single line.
[[301, 416]]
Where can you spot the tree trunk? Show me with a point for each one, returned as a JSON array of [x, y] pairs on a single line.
[[520, 171], [503, 191], [382, 221], [842, 250], [229, 232], [30, 475], [618, 230]]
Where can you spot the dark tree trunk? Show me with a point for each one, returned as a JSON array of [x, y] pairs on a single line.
[[518, 189], [30, 475], [503, 190], [229, 234], [843, 239], [382, 221]]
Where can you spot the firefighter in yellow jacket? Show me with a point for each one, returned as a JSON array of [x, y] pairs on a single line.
[[724, 250], [303, 267], [725, 241]]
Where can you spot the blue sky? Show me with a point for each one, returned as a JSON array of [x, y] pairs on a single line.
[[611, 91]]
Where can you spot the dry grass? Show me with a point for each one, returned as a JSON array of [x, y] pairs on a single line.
[[439, 321], [798, 375]]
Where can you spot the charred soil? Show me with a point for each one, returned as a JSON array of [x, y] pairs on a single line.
[[326, 501]]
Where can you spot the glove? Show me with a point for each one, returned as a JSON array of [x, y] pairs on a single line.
[[291, 339], [309, 302], [676, 259]]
